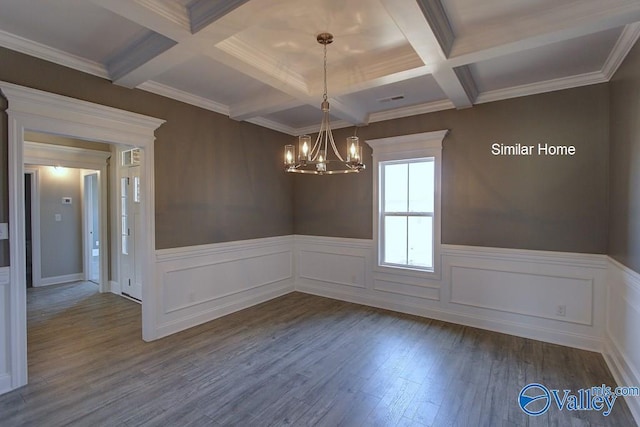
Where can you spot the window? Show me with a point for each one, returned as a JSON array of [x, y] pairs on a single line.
[[406, 213], [407, 202]]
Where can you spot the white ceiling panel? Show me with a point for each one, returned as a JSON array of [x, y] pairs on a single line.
[[468, 15], [419, 90], [207, 78], [300, 117], [573, 57], [78, 27]]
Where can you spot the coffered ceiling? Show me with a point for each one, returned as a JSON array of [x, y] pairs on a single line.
[[259, 61]]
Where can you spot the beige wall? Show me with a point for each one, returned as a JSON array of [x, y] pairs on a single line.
[[60, 241], [624, 227], [544, 203], [220, 180], [216, 179]]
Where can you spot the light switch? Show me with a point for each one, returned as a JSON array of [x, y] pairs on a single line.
[[4, 231], [58, 217]]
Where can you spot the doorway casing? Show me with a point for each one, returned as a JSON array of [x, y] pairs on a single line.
[[39, 111]]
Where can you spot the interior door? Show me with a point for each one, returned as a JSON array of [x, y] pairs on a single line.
[[92, 199], [131, 277]]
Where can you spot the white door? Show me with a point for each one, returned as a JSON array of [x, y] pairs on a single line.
[[131, 277], [92, 221]]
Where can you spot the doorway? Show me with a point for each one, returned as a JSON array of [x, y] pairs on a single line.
[[39, 111], [28, 228]]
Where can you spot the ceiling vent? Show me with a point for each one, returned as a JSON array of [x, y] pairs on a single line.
[[131, 157], [391, 98]]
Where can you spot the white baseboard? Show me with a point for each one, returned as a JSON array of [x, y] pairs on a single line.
[[202, 283], [505, 290], [48, 281], [5, 355], [5, 383], [114, 287], [622, 341]]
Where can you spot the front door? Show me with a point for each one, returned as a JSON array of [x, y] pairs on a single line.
[[131, 277]]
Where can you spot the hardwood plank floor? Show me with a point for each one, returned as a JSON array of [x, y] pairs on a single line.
[[297, 360]]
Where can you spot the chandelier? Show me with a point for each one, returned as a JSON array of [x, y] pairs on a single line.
[[317, 159]]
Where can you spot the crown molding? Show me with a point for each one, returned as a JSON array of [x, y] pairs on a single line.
[[270, 124], [204, 12], [335, 124], [38, 153], [39, 50], [466, 80], [170, 10], [186, 97], [625, 42], [542, 87], [263, 62], [436, 16], [414, 110], [138, 53]]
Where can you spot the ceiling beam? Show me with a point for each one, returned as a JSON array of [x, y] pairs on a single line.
[[161, 16], [123, 66], [170, 41], [203, 13], [426, 27]]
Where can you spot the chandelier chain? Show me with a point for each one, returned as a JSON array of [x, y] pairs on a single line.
[[324, 97]]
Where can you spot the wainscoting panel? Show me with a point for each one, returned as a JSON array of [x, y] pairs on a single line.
[[549, 296], [558, 298], [341, 269], [5, 324], [622, 340], [199, 284]]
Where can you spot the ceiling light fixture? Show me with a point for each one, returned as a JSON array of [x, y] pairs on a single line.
[[318, 160]]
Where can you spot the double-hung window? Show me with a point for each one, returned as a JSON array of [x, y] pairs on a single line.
[[406, 213], [407, 202]]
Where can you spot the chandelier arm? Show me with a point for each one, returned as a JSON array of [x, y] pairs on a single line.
[[333, 145], [316, 147]]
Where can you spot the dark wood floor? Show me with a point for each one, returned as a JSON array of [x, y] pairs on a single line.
[[297, 360]]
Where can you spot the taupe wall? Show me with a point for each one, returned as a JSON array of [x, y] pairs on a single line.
[[544, 203], [60, 241], [624, 226], [216, 179]]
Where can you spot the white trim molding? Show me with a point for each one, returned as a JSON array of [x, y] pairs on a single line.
[[5, 353], [201, 283], [35, 110], [56, 280], [406, 148], [622, 341], [472, 288]]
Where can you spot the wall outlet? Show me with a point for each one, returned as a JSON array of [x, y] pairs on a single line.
[[561, 310]]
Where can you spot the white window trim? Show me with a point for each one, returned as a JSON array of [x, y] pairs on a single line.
[[405, 147]]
